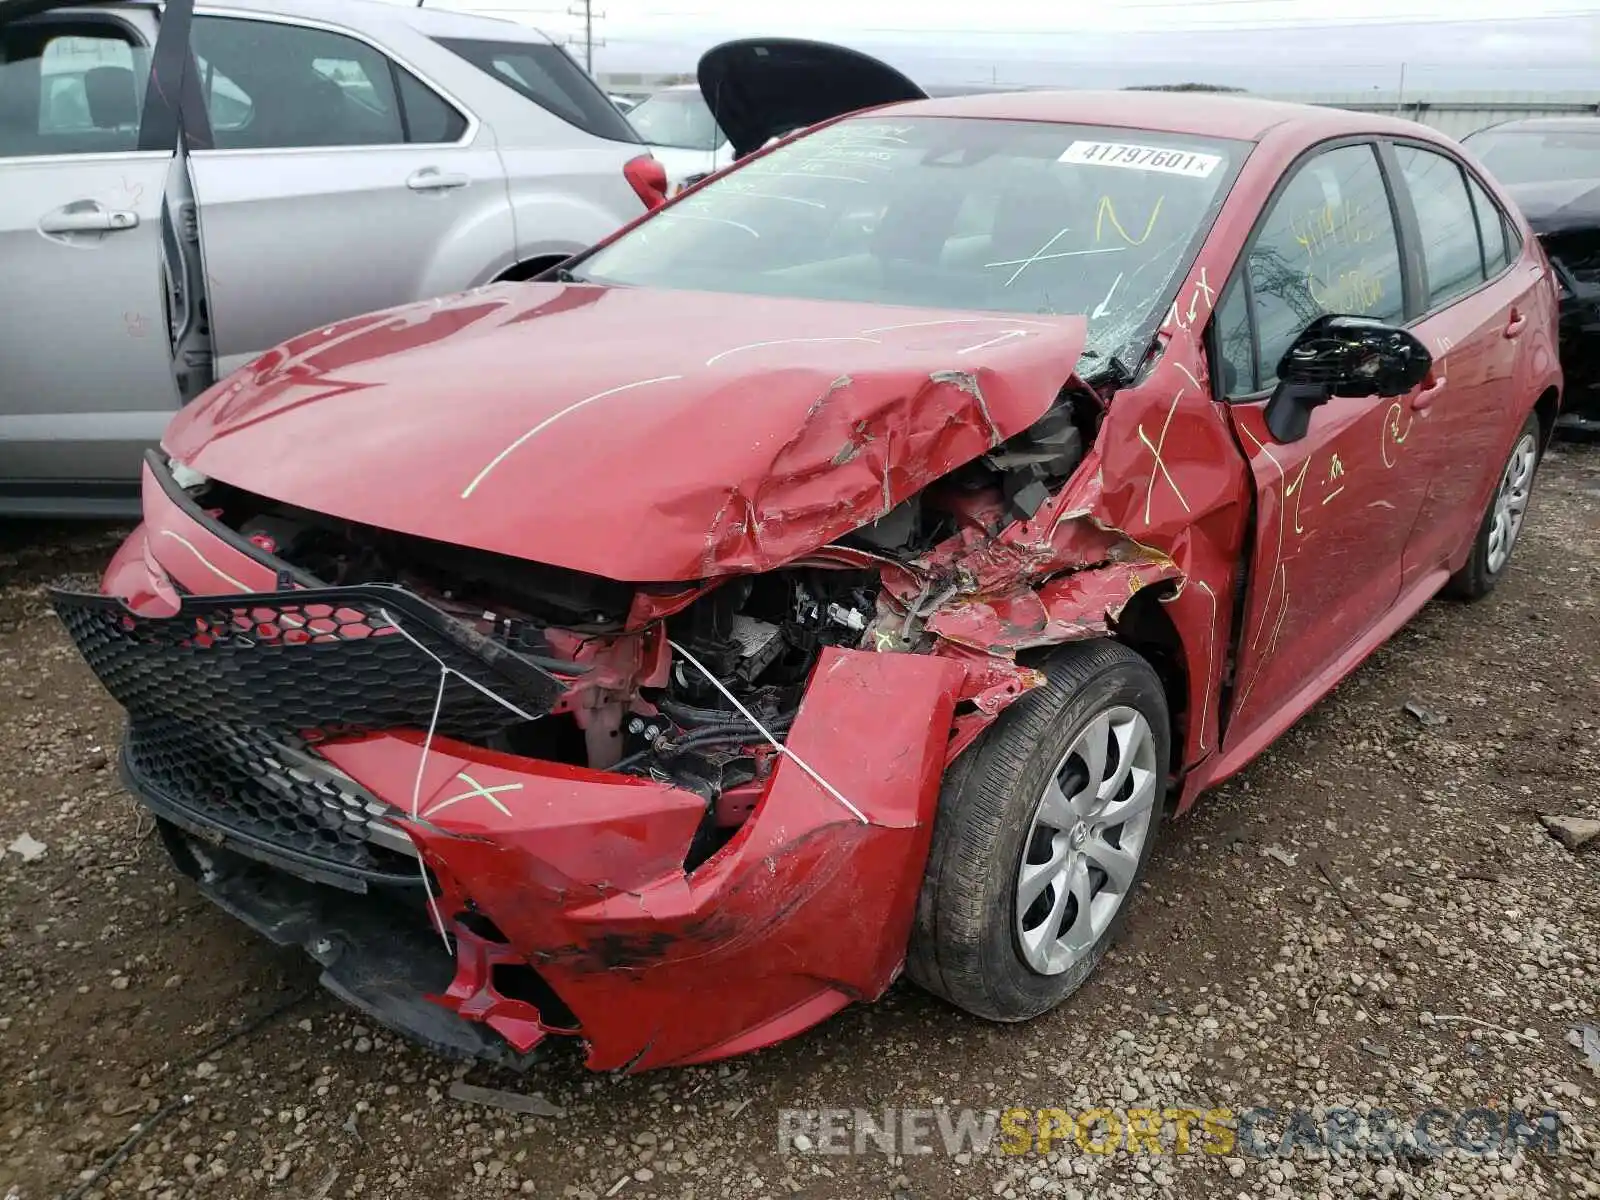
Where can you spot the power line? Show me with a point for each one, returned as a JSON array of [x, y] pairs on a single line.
[[589, 15]]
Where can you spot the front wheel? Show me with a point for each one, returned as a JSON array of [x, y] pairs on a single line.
[[1497, 535], [1041, 836]]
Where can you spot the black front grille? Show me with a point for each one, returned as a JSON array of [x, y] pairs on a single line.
[[252, 786], [227, 699]]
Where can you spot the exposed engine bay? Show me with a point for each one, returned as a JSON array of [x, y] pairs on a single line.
[[747, 642]]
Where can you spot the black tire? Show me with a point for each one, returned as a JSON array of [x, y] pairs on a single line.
[[966, 941], [1477, 579]]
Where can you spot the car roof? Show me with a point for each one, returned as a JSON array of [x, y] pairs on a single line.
[[441, 22], [1202, 113], [1547, 125]]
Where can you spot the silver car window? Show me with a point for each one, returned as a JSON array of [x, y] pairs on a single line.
[[274, 86], [73, 87]]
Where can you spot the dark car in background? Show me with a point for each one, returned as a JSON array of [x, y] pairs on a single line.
[[1551, 166]]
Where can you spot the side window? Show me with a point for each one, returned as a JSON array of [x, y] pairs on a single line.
[[1491, 229], [544, 74], [1449, 229], [1327, 245], [1236, 357], [428, 118], [226, 105], [1513, 239], [270, 86], [70, 89]]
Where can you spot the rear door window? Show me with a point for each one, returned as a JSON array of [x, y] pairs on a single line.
[[270, 86], [1446, 221], [544, 74], [1491, 229]]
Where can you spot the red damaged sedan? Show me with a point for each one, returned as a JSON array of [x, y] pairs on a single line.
[[844, 569]]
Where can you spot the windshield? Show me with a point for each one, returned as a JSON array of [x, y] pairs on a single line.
[[1533, 156], [681, 120], [1000, 216]]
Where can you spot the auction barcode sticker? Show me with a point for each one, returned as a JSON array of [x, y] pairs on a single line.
[[1142, 158]]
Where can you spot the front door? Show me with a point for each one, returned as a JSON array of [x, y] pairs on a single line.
[[86, 377], [1333, 509], [339, 182]]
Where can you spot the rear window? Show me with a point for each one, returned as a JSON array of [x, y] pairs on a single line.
[[545, 75], [680, 120], [1532, 156]]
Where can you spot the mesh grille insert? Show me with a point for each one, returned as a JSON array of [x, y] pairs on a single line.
[[225, 697]]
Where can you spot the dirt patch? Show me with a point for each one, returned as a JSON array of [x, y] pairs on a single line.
[[1370, 914]]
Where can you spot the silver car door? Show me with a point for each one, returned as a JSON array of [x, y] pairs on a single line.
[[87, 379], [340, 181]]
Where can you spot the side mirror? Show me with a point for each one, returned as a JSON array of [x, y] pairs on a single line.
[[1342, 356]]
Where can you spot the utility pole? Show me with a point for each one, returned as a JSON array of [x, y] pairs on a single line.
[[589, 17]]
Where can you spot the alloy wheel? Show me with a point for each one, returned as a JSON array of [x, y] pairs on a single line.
[[1086, 840], [1511, 502]]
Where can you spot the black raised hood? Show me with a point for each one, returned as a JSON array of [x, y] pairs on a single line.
[[762, 88]]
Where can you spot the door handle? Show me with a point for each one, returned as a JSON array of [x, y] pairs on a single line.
[[1516, 324], [1424, 399], [88, 219], [431, 179]]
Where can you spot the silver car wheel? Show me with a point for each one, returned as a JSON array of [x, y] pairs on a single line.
[[1086, 840], [1511, 502]]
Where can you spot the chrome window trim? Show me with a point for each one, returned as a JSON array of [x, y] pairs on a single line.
[[98, 157]]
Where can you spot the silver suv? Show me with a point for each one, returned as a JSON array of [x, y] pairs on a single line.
[[184, 185]]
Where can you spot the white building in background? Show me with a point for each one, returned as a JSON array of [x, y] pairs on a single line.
[[1459, 113], [1453, 113]]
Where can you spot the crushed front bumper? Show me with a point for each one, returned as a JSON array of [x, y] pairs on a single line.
[[376, 951], [283, 738]]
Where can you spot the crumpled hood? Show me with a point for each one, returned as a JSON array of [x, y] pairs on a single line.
[[637, 434]]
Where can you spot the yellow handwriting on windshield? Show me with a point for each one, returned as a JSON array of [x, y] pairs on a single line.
[[1108, 212]]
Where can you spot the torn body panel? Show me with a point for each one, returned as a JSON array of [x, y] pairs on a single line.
[[582, 874], [575, 900], [1175, 513]]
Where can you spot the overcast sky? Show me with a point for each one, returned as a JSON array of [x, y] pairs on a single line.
[[1266, 44]]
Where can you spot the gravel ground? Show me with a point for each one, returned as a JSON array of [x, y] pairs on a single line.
[[1370, 915]]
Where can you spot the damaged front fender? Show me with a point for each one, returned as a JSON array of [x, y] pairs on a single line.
[[1160, 498]]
